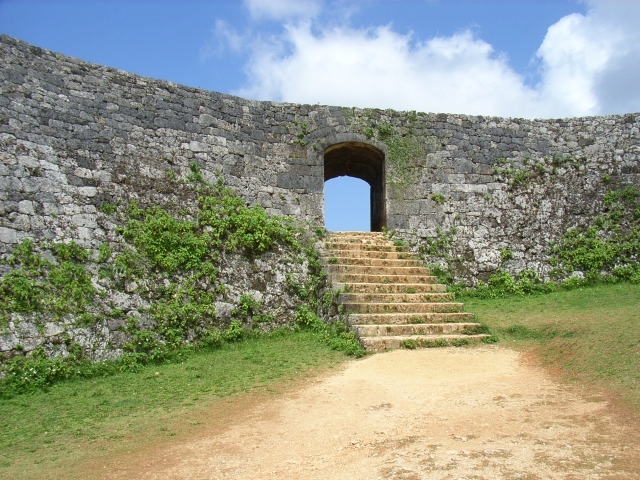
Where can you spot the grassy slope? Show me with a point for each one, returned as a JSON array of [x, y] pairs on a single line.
[[593, 333], [44, 435]]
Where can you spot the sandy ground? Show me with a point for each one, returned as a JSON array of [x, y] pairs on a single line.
[[477, 413]]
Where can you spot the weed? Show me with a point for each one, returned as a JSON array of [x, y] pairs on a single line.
[[104, 252], [506, 254], [400, 244], [475, 330], [520, 178], [108, 208], [320, 232], [502, 283], [609, 248], [336, 335], [36, 284], [440, 245], [438, 198], [409, 344]]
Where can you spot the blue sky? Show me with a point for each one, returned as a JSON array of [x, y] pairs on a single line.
[[532, 59]]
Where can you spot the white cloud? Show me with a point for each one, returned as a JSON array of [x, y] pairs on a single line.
[[283, 9], [591, 62], [590, 65], [381, 68], [223, 36]]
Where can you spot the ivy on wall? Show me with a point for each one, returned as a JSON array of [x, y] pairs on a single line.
[[170, 259], [406, 152], [520, 176], [55, 286], [609, 248]]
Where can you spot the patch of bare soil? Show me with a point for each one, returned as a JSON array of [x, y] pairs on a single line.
[[477, 413]]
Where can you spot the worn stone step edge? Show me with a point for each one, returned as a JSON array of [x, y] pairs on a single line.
[[430, 297], [378, 262], [377, 270], [361, 246], [359, 241], [391, 287], [369, 254], [354, 232], [382, 330], [402, 307], [381, 279], [367, 247], [348, 236], [381, 344], [408, 318]]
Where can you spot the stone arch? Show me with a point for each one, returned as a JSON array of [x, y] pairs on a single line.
[[355, 156]]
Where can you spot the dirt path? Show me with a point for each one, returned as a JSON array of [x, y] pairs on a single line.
[[449, 413]]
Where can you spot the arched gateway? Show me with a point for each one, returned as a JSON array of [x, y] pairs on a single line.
[[366, 162]]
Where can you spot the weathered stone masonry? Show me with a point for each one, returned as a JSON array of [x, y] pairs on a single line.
[[74, 135]]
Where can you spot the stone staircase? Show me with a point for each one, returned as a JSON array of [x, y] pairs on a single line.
[[390, 299]]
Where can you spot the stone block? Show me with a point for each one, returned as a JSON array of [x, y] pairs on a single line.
[[40, 184], [88, 191], [28, 161], [12, 184], [85, 220], [20, 222], [224, 310], [53, 328], [195, 146], [8, 342], [26, 207]]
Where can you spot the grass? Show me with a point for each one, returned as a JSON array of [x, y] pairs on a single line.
[[48, 434], [591, 333]]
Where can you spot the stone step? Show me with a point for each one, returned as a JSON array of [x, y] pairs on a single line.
[[358, 238], [390, 299], [395, 297], [392, 287], [361, 240], [352, 233], [405, 318], [416, 329], [382, 279], [378, 270], [378, 262], [381, 344], [413, 308], [369, 254], [364, 247]]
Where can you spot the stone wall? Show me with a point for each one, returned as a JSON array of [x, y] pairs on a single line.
[[497, 184], [75, 136]]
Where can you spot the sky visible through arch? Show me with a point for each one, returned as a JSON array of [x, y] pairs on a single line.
[[520, 58]]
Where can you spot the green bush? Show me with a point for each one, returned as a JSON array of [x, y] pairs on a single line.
[[336, 335], [502, 283], [171, 259], [62, 286], [608, 249]]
